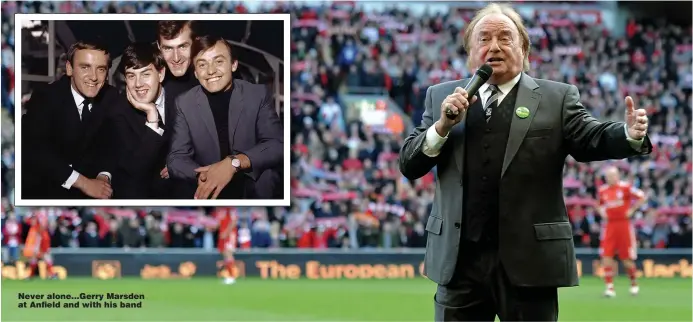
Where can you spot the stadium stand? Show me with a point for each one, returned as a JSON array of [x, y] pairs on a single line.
[[347, 190]]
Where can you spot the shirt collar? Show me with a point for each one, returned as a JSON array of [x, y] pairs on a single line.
[[79, 99], [160, 100], [504, 88]]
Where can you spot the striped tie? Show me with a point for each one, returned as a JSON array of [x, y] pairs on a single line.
[[491, 102]]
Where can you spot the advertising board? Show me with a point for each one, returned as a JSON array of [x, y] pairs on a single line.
[[295, 264]]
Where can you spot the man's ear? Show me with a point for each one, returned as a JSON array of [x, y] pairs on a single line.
[[162, 74], [234, 66], [68, 69]]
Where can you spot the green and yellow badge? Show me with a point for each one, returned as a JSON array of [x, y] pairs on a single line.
[[522, 112]]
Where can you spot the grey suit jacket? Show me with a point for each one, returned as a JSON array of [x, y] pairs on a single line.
[[254, 130], [535, 236]]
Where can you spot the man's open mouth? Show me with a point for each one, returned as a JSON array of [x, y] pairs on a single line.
[[494, 59]]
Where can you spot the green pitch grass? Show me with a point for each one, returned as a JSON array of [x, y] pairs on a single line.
[[206, 299]]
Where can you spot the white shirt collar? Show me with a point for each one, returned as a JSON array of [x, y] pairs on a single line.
[[160, 100], [159, 103], [504, 88], [79, 99]]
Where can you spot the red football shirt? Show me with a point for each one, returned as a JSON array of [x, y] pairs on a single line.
[[617, 200], [225, 216]]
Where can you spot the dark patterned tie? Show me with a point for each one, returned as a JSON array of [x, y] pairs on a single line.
[[491, 103]]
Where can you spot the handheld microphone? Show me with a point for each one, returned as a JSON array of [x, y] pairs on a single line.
[[480, 78]]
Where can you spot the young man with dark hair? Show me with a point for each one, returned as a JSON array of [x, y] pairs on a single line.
[[174, 40], [66, 143], [140, 121], [227, 136]]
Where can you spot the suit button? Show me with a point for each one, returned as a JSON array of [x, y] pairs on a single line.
[[457, 225], [487, 161], [485, 145], [484, 178]]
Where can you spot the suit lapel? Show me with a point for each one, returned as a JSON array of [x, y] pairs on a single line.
[[65, 96], [98, 111], [205, 112], [73, 120], [459, 133], [235, 110], [136, 120], [528, 96], [170, 109]]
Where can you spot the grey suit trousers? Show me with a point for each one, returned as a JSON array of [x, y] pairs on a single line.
[[480, 290]]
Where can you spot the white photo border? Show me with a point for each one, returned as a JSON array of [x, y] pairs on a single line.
[[285, 201]]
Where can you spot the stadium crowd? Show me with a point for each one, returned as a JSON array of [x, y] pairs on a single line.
[[346, 188]]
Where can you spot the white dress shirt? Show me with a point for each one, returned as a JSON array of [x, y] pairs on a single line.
[[79, 101], [434, 142], [159, 103]]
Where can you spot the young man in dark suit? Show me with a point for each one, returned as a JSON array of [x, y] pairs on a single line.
[[174, 40], [66, 145], [140, 121]]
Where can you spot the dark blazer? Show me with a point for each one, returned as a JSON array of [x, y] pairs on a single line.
[[141, 152], [535, 235], [254, 130], [54, 142]]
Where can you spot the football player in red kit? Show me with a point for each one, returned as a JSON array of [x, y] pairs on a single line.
[[228, 238], [38, 244], [618, 201]]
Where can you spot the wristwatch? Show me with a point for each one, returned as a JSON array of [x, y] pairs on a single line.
[[236, 163]]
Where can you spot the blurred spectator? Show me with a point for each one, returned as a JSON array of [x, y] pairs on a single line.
[[260, 236], [155, 235], [179, 237], [90, 236], [63, 235], [112, 238], [132, 233], [12, 238]]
